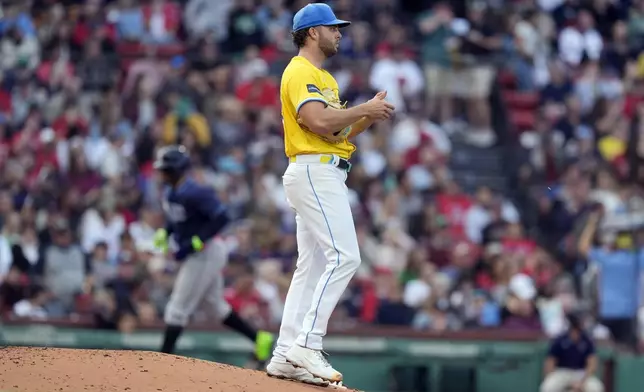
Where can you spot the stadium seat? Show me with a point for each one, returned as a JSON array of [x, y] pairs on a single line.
[[129, 49], [170, 50], [126, 63], [522, 119], [507, 79], [520, 100], [135, 49]]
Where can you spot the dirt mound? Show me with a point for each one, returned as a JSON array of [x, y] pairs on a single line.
[[49, 369]]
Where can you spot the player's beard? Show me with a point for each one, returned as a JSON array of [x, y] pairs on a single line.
[[328, 47]]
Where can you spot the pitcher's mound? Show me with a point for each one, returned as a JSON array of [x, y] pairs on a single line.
[[53, 370]]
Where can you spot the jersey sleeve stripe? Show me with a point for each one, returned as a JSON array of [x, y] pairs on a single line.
[[297, 110]]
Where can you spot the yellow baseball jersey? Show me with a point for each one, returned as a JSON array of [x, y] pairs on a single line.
[[303, 82]]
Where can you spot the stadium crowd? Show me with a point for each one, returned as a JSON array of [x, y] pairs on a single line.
[[90, 88]]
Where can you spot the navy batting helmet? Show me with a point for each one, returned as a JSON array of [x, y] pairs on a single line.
[[172, 159]]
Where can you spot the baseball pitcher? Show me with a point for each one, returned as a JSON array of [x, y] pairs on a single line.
[[195, 218], [317, 133]]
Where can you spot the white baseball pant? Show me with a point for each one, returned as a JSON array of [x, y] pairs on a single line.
[[200, 283], [561, 379], [328, 253]]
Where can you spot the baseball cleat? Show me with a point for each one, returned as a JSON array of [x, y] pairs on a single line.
[[263, 345], [314, 361], [286, 371]]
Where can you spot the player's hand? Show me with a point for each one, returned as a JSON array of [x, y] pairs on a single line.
[[378, 109], [160, 240], [577, 386], [381, 95]]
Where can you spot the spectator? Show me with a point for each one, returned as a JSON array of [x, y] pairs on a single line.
[[97, 71], [436, 34], [247, 301], [244, 27], [184, 120], [147, 72], [580, 40], [19, 50], [12, 290], [268, 283], [553, 96], [529, 47], [277, 21], [620, 271], [396, 73], [142, 231], [635, 25], [105, 310], [6, 258], [488, 209], [479, 44], [559, 299], [17, 16], [519, 310], [571, 362], [255, 86], [204, 17], [103, 270], [56, 70], [434, 314], [32, 307], [392, 309], [65, 271], [26, 255], [161, 20], [418, 291], [130, 23], [103, 224]]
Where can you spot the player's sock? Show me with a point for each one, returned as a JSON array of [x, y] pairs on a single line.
[[233, 321], [172, 333], [263, 340]]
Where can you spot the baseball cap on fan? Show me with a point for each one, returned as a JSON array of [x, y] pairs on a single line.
[[318, 14]]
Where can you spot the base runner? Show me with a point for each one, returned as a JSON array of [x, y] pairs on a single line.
[[195, 218]]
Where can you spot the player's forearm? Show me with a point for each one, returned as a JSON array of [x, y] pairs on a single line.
[[549, 366], [333, 120], [591, 367], [360, 126], [588, 233]]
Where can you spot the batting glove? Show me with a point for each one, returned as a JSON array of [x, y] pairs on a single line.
[[161, 240], [197, 244]]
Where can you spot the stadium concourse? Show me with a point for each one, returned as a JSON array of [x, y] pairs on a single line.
[[516, 122]]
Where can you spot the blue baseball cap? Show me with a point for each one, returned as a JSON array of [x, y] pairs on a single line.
[[318, 14]]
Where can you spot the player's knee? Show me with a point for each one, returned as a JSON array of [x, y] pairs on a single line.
[[175, 317], [549, 385], [222, 310], [594, 385], [351, 260]]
